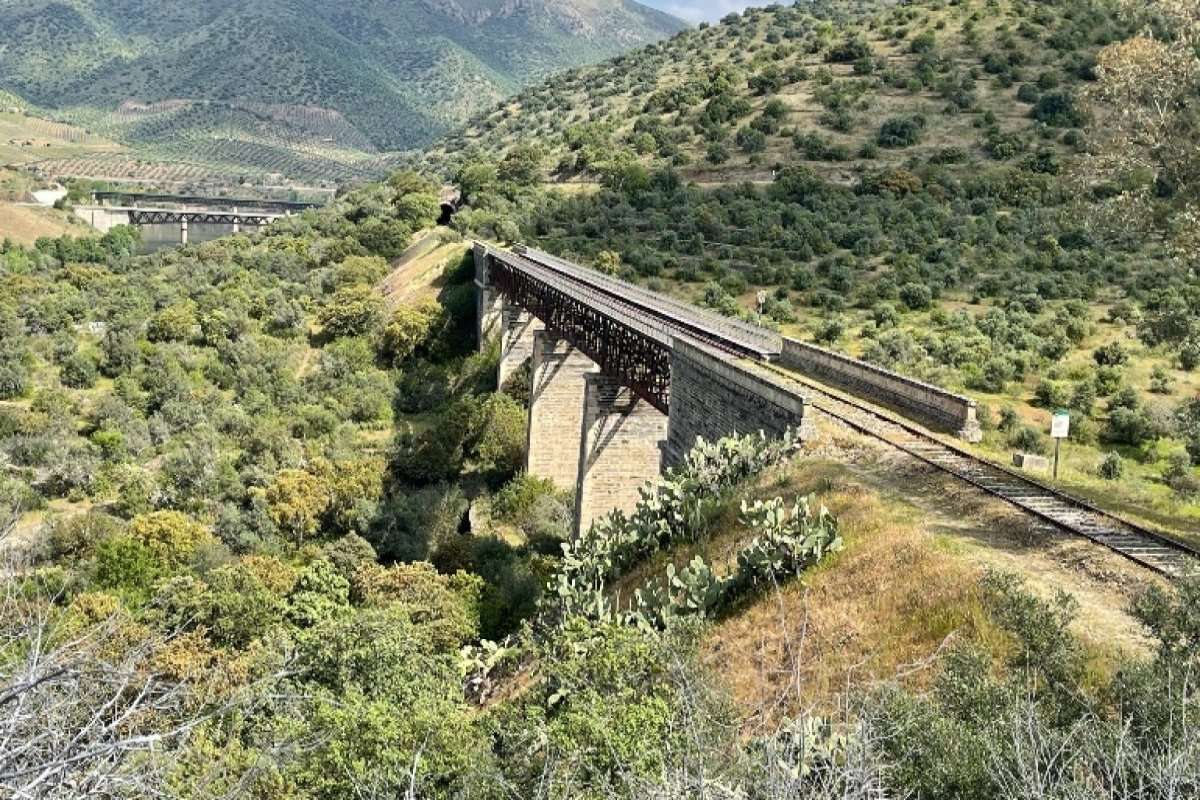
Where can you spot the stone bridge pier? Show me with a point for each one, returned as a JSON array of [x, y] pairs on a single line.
[[604, 432]]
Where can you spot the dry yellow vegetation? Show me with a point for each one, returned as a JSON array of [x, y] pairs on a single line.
[[905, 587], [25, 224]]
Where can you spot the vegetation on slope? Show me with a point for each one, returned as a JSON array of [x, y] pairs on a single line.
[[306, 89], [223, 575], [935, 187]]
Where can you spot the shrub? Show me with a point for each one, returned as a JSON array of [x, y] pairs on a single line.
[[1189, 356], [751, 140], [1130, 425], [80, 371], [848, 51], [409, 328], [517, 498], [1112, 467], [125, 562], [1110, 355], [1029, 440], [1052, 394], [1059, 109], [296, 501], [172, 324], [1179, 476], [1161, 381], [899, 132], [351, 311], [79, 536], [916, 296], [14, 380], [717, 153], [170, 535]]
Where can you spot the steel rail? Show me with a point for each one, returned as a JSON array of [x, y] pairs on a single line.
[[741, 337], [1155, 550]]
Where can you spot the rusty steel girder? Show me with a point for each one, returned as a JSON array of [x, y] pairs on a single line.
[[165, 217], [633, 353]]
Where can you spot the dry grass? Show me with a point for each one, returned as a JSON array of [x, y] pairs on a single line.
[[25, 224], [415, 276], [878, 610], [904, 587]]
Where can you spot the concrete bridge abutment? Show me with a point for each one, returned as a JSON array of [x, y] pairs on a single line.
[[620, 449], [556, 402], [714, 395]]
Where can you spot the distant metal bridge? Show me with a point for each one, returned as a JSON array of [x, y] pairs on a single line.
[[137, 199], [162, 216]]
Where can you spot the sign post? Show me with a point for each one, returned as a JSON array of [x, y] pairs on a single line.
[[1060, 428]]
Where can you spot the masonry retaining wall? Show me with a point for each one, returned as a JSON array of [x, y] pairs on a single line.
[[715, 395], [932, 404]]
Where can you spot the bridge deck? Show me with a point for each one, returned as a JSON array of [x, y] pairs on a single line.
[[619, 310], [680, 317], [205, 202]]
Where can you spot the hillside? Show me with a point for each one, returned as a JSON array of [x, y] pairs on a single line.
[[925, 185], [304, 89], [265, 529]]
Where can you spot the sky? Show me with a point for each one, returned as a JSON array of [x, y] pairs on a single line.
[[701, 10]]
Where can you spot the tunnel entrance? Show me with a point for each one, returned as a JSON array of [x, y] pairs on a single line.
[[448, 210]]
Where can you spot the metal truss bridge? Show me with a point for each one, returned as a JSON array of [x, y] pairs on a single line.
[[627, 330]]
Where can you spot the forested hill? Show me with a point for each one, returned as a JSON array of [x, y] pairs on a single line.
[[944, 189], [375, 74], [814, 83]]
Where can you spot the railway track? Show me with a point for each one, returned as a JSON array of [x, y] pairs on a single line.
[[1058, 511], [1152, 549]]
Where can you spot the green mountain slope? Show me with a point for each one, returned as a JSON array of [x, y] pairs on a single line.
[[394, 73], [915, 184]]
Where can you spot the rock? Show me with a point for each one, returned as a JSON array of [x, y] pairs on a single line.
[[1028, 461]]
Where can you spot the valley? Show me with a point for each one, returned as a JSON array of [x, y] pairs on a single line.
[[629, 410]]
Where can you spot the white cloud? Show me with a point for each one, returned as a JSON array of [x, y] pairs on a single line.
[[702, 10]]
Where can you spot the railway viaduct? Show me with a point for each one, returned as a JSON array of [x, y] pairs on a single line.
[[623, 381]]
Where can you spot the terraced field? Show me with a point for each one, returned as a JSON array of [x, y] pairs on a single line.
[[27, 139]]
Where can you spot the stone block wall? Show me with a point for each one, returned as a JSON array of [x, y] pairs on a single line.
[[489, 303], [932, 404], [714, 395], [556, 399], [620, 450], [516, 345]]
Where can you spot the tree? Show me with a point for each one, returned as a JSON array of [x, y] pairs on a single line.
[[409, 328], [475, 177], [751, 140], [352, 311], [171, 535], [608, 262], [80, 371], [900, 132], [1149, 87], [522, 165], [296, 500]]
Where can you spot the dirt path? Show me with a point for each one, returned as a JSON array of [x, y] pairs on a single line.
[[414, 274]]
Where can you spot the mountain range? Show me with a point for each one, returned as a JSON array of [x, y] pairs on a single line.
[[364, 77]]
